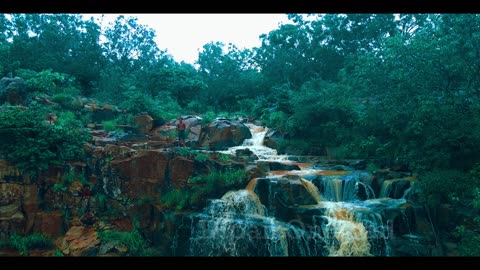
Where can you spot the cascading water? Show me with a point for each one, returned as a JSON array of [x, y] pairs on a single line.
[[236, 225], [255, 144], [307, 212]]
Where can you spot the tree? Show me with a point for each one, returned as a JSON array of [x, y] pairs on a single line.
[[64, 43]]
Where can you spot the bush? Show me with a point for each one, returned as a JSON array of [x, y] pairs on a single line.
[[32, 145], [163, 106], [293, 146], [179, 199], [109, 125], [224, 158], [67, 101], [134, 241], [443, 186], [208, 117], [469, 242], [49, 82], [213, 185], [26, 243]]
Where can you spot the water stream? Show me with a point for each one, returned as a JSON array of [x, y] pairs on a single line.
[[311, 210]]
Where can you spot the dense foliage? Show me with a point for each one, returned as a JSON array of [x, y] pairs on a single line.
[[29, 142]]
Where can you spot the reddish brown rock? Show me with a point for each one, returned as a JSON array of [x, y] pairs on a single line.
[[194, 133], [223, 133], [10, 193], [144, 122], [59, 199], [52, 175], [50, 223], [118, 152], [98, 152], [30, 204], [181, 169], [98, 133], [7, 211], [11, 221], [102, 141], [79, 241], [123, 224], [22, 197], [142, 175]]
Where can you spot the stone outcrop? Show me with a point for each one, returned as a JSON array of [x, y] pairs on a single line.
[[181, 169], [138, 176], [79, 241], [50, 224], [144, 123], [223, 133], [272, 139]]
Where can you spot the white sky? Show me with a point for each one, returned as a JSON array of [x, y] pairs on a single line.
[[183, 35]]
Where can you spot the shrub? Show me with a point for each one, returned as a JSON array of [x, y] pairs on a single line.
[[201, 157], [224, 158], [469, 242], [443, 186], [293, 146], [134, 241], [67, 101], [109, 125], [50, 83], [213, 185], [208, 117], [183, 151], [32, 145], [25, 243], [179, 199]]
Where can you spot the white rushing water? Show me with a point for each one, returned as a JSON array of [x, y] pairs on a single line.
[[255, 144], [351, 226]]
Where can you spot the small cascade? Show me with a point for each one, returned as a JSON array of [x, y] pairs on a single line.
[[368, 190], [395, 188], [237, 225], [344, 188], [333, 189], [255, 144], [312, 189], [344, 235], [252, 184], [386, 188]]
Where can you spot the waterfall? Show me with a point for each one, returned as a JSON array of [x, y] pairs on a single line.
[[347, 219], [386, 188], [312, 189], [255, 144], [236, 225], [344, 235], [332, 189]]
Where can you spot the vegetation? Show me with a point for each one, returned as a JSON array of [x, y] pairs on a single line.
[[204, 187], [133, 240], [192, 153], [32, 145], [24, 244], [443, 186]]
